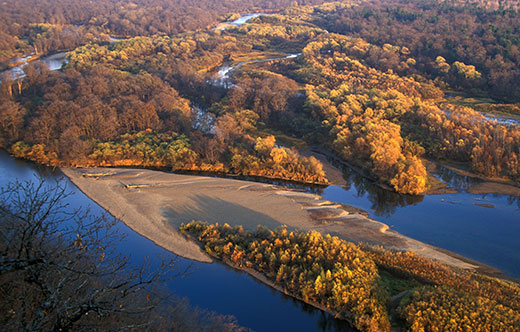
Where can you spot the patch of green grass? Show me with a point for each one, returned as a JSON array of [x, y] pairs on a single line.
[[396, 285]]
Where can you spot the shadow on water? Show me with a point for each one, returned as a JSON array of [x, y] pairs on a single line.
[[382, 202], [325, 322], [454, 180], [464, 182]]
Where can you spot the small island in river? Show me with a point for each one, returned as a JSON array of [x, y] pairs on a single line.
[[155, 204], [327, 254]]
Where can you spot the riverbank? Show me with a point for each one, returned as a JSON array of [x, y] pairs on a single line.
[[155, 204], [263, 279], [483, 185], [438, 186]]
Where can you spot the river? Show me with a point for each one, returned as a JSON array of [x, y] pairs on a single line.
[[225, 71], [239, 21], [214, 286], [503, 119], [54, 62], [246, 17], [450, 221]]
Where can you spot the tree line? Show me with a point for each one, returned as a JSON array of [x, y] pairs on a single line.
[[356, 282], [468, 45], [155, 98]]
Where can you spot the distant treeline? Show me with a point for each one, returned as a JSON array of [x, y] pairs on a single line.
[[457, 42], [47, 25]]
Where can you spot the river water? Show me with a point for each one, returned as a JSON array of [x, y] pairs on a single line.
[[246, 17], [490, 235], [450, 221], [214, 286], [54, 62]]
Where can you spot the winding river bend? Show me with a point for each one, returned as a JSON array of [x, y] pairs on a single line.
[[215, 286], [451, 221]]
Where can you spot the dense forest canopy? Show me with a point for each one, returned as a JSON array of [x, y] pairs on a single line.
[[76, 19], [467, 47], [171, 84], [363, 79], [368, 286]]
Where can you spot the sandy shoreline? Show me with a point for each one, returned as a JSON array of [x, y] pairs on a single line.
[[155, 203]]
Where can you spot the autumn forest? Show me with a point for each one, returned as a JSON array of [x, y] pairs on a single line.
[[373, 94], [387, 88]]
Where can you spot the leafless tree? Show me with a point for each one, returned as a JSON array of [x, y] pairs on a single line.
[[59, 269]]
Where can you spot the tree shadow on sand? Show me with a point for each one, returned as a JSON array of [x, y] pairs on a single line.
[[213, 210]]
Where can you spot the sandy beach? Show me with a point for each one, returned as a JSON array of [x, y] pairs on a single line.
[[155, 204]]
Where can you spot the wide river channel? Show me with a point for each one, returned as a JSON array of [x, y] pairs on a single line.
[[450, 221], [490, 235]]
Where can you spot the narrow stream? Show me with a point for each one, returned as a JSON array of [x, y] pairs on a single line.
[[225, 72], [54, 62]]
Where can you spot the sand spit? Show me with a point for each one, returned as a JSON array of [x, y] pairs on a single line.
[[155, 203]]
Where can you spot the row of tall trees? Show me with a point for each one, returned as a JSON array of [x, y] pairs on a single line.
[[323, 270]]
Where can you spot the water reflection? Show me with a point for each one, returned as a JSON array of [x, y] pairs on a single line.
[[454, 180], [325, 321], [383, 202], [214, 286], [464, 183], [453, 221]]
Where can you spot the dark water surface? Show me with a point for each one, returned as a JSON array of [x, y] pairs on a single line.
[[214, 286], [490, 235], [450, 221]]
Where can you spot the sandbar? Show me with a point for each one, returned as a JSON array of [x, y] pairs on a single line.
[[155, 204]]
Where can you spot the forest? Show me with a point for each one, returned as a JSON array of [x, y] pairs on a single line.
[[359, 282], [172, 85], [141, 87], [467, 47]]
